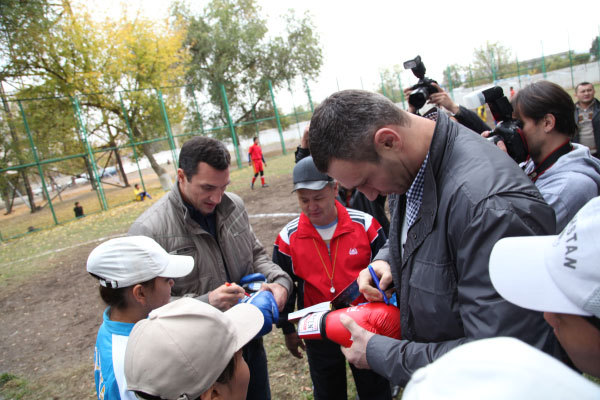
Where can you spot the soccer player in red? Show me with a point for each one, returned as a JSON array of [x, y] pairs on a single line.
[[256, 159]]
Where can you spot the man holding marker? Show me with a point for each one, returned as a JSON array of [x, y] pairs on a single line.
[[198, 218]]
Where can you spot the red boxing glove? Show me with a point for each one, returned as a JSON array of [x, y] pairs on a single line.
[[377, 317]]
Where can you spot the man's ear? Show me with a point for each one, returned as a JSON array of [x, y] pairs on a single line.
[[180, 175], [549, 122], [387, 138]]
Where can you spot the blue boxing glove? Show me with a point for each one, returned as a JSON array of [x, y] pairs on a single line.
[[253, 282], [267, 305]]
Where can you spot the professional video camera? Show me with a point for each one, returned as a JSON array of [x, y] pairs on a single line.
[[422, 89], [507, 129]]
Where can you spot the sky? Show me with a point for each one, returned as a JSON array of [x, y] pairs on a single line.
[[361, 38]]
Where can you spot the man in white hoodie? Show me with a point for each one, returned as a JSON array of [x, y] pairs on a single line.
[[565, 173]]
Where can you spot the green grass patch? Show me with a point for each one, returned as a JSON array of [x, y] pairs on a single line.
[[13, 387], [23, 257]]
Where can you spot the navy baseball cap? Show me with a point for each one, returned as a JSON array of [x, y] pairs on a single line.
[[307, 176]]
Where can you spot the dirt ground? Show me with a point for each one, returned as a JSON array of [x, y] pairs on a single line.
[[48, 325]]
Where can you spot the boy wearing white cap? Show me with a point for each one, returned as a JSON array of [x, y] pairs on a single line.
[[136, 276], [559, 275], [189, 350]]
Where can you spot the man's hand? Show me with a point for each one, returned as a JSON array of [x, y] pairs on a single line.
[[366, 285], [292, 342], [225, 296], [441, 98], [357, 353], [500, 144], [279, 292], [304, 139]]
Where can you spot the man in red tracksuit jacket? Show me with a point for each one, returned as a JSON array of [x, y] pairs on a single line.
[[323, 251]]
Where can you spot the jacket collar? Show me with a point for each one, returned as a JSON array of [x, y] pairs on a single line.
[[344, 224], [443, 140]]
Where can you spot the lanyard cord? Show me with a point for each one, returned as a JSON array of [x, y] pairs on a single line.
[[550, 160], [332, 290]]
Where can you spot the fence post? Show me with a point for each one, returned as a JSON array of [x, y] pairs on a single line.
[[90, 153], [518, 72], [231, 127], [401, 90], [37, 161], [543, 60], [598, 50], [163, 110], [448, 75], [382, 86], [131, 141], [295, 112], [571, 67], [277, 118], [471, 76], [494, 76], [312, 107], [198, 115]]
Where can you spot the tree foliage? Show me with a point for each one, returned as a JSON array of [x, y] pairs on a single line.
[[73, 54], [230, 45], [595, 48]]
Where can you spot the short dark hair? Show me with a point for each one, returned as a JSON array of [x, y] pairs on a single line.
[[255, 138], [544, 97], [581, 84], [224, 378], [115, 298], [343, 126], [76, 202], [203, 149]]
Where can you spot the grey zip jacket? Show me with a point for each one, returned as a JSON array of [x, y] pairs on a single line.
[[474, 195], [170, 225], [569, 183]]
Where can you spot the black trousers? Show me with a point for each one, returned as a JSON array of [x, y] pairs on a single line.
[[328, 373], [256, 358]]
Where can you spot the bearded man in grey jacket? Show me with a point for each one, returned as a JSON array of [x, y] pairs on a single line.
[[198, 218], [453, 195]]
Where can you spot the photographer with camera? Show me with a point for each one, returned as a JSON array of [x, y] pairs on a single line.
[[427, 91], [565, 173]]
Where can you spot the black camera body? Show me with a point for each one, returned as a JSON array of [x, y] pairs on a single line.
[[508, 129], [422, 89]]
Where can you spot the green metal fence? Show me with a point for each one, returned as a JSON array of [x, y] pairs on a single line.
[[87, 137]]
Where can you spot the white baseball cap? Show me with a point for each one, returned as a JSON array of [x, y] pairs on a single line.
[[181, 349], [497, 369], [558, 273], [128, 260]]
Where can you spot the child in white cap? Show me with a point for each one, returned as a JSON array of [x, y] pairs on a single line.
[[559, 275], [136, 276], [189, 350]]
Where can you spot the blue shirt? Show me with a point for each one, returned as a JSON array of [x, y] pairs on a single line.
[[109, 359]]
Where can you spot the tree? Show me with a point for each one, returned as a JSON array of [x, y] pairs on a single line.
[[229, 46], [595, 48], [77, 56], [453, 76], [22, 26], [491, 60]]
